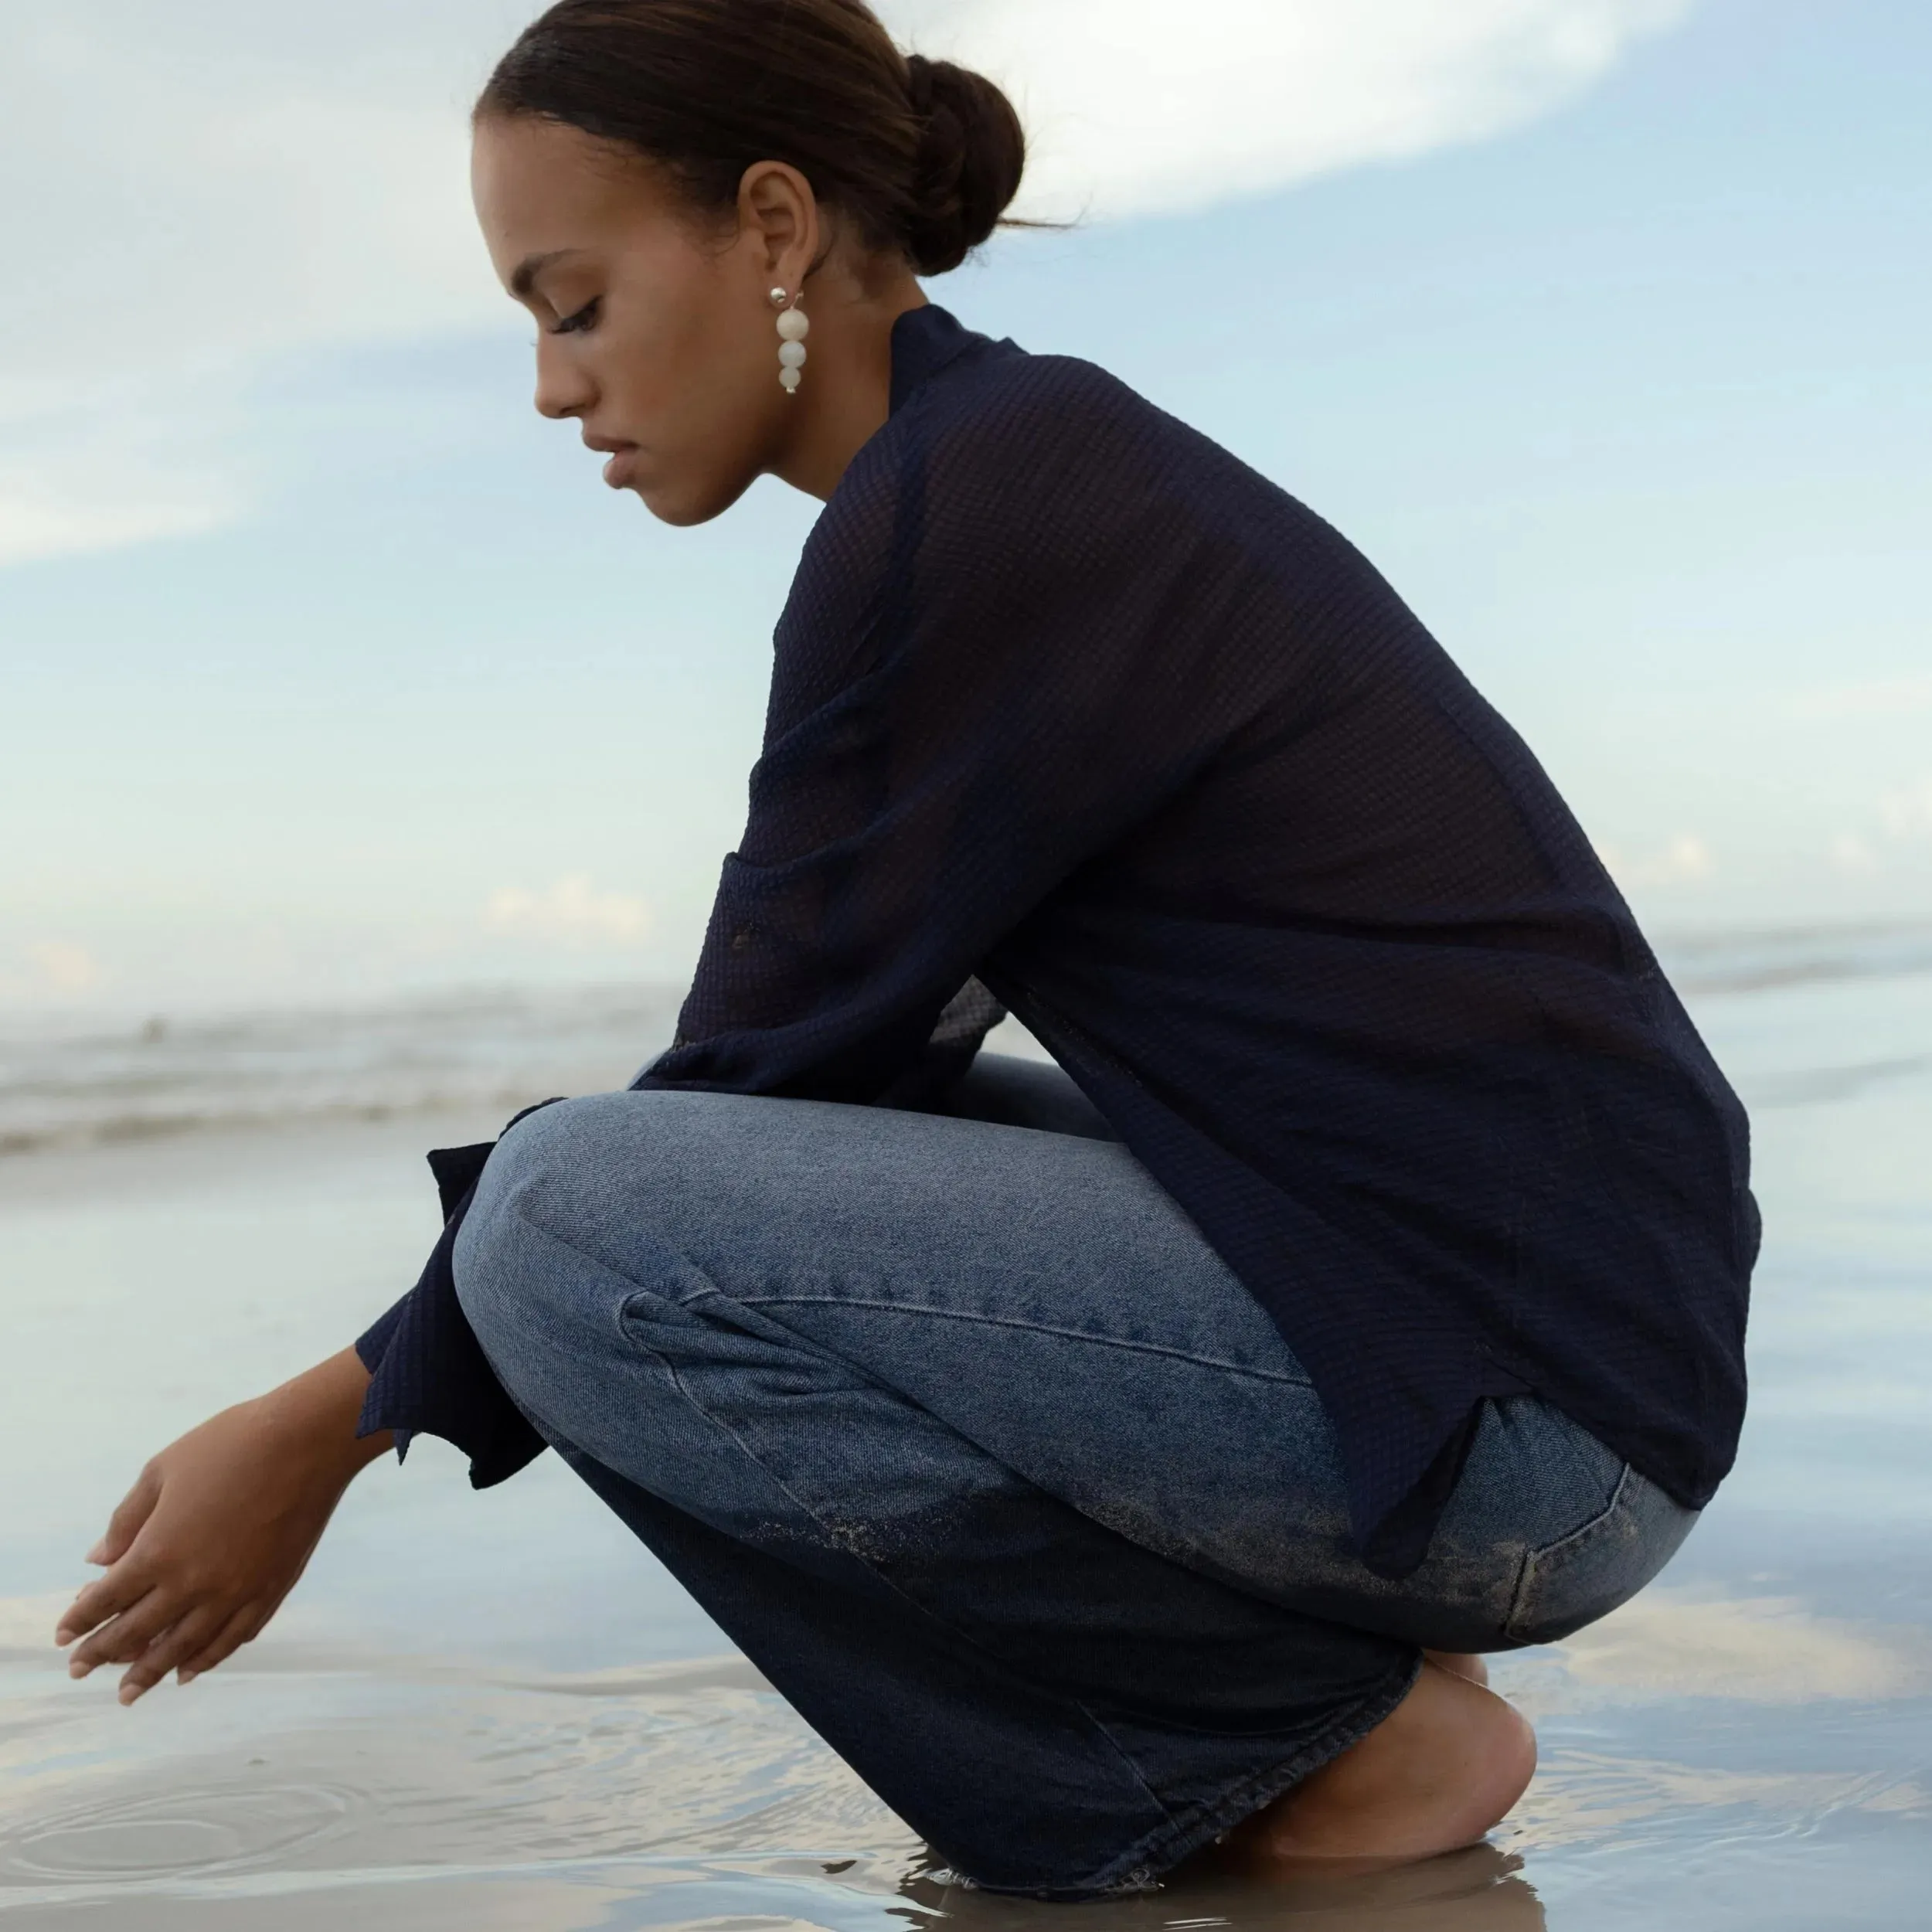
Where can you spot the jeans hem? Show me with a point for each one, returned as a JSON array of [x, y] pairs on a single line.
[[1199, 1824]]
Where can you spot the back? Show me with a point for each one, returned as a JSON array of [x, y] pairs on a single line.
[[1069, 698]]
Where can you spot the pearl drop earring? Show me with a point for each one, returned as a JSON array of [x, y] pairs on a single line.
[[793, 326]]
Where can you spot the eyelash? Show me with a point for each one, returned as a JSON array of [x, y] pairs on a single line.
[[582, 320]]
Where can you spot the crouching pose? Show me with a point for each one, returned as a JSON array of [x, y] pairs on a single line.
[[1111, 1459]]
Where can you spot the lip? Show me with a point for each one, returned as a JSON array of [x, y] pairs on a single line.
[[624, 456]]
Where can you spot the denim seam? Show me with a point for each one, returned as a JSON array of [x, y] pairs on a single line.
[[1175, 1828], [1176, 1836], [924, 1611], [1030, 1327], [1534, 1558], [1119, 1749]]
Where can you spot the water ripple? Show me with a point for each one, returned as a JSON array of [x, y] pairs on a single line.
[[187, 1834]]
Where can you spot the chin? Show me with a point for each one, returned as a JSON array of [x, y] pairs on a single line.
[[678, 512], [684, 509]]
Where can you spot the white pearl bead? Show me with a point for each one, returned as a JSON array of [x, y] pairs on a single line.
[[794, 324], [790, 378], [792, 355]]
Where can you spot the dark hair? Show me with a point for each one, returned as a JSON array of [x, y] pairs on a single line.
[[922, 155]]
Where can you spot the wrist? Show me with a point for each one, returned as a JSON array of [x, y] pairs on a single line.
[[316, 1415]]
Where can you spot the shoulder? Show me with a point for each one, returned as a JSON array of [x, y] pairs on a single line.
[[1069, 479], [1037, 409], [1050, 458], [1070, 473], [1051, 449], [1000, 447]]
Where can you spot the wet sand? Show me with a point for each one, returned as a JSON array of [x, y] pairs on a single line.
[[495, 1711]]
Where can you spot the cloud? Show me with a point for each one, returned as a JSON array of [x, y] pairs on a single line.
[[1877, 698], [27, 1623], [1906, 814], [1687, 860], [1851, 854], [1900, 830], [1133, 112], [571, 914], [39, 520], [56, 970], [64, 968], [126, 471], [191, 193], [192, 186]]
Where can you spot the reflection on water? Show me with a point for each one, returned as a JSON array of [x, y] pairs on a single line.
[[1479, 1890], [424, 1742], [1767, 1650], [668, 1780], [688, 1793]]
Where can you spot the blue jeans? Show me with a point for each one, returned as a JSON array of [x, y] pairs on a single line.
[[961, 1430]]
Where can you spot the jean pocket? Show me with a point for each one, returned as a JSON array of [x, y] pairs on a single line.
[[1571, 1583]]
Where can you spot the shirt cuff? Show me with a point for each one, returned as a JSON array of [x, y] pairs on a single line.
[[428, 1374]]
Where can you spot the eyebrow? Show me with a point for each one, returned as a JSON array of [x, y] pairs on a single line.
[[527, 270]]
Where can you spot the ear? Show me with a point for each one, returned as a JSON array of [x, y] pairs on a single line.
[[778, 213]]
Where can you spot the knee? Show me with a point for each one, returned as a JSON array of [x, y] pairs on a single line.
[[532, 1154], [501, 1279], [569, 1223]]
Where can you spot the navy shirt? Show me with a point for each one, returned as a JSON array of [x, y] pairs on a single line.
[[1068, 699]]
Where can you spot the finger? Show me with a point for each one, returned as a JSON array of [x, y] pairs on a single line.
[[186, 1639], [124, 1525], [129, 1634], [244, 1627], [122, 1588]]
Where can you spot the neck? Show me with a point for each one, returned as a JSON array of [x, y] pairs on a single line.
[[847, 393]]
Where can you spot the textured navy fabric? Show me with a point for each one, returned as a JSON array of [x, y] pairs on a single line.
[[1068, 698]]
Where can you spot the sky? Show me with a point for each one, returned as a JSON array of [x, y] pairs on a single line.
[[327, 670]]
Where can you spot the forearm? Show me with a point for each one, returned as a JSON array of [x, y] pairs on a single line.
[[317, 1414]]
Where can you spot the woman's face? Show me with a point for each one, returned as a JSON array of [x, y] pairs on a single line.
[[653, 334]]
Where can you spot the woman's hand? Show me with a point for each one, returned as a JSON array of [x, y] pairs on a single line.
[[219, 1528]]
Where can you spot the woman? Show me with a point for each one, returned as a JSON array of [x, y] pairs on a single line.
[[1107, 1461]]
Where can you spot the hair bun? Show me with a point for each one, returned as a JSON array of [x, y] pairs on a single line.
[[972, 152]]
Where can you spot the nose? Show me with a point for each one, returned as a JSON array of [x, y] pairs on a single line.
[[563, 389]]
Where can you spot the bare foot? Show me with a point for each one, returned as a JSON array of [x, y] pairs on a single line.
[[1446, 1766], [1464, 1666]]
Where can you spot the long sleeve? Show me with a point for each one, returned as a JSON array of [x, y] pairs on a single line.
[[1072, 708], [428, 1375], [973, 696], [970, 698]]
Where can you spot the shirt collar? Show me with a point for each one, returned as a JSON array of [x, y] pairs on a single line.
[[924, 340]]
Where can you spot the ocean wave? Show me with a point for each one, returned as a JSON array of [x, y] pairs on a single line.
[[163, 1077], [1762, 962], [498, 1050]]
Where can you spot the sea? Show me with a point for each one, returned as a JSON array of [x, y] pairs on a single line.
[[495, 1711]]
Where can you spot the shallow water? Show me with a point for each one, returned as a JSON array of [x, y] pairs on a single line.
[[495, 1711]]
